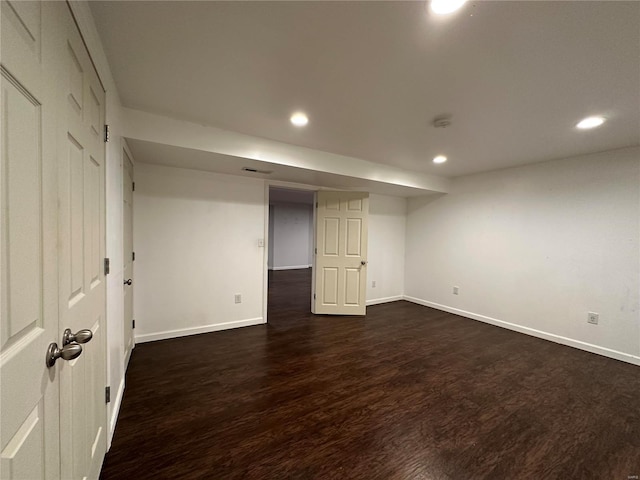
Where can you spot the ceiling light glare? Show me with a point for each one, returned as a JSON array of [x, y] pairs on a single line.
[[440, 159], [590, 122], [443, 7], [299, 119]]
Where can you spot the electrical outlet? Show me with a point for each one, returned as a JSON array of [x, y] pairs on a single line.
[[593, 317], [238, 298], [373, 284], [456, 290]]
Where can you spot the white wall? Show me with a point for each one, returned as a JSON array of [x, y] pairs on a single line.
[[290, 235], [196, 242], [537, 247], [387, 222]]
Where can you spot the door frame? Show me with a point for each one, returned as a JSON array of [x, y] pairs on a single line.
[[125, 150], [265, 277]]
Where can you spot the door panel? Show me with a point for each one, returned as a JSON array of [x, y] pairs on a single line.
[[82, 250], [22, 457], [29, 278], [354, 237], [21, 125], [352, 286], [341, 240], [331, 236], [330, 286]]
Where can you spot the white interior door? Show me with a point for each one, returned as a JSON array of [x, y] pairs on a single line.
[[341, 258], [127, 207], [81, 232], [29, 446]]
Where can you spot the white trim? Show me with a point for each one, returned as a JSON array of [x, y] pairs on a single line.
[[183, 332], [292, 267], [127, 353], [265, 255], [376, 301], [116, 402], [314, 256], [606, 352]]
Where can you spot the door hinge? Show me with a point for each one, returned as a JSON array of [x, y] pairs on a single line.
[[314, 296], [107, 394], [106, 266], [133, 324], [133, 186], [316, 204], [107, 133], [133, 256], [316, 251]]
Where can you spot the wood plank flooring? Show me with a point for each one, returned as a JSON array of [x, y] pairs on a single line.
[[406, 393]]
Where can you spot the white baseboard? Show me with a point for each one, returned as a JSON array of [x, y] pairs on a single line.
[[292, 267], [127, 357], [116, 402], [376, 301], [183, 332], [606, 352]]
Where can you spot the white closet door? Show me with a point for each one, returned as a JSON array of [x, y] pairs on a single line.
[[81, 230], [29, 417]]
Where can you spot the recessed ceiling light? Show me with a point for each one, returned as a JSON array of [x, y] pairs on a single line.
[[590, 122], [440, 159], [299, 119], [442, 7]]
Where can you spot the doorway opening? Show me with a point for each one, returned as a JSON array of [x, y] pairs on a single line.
[[290, 254]]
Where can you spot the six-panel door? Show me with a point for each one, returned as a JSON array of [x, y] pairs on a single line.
[[81, 258], [28, 238], [52, 246], [341, 259]]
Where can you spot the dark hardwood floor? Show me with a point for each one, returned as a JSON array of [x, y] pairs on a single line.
[[406, 393]]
